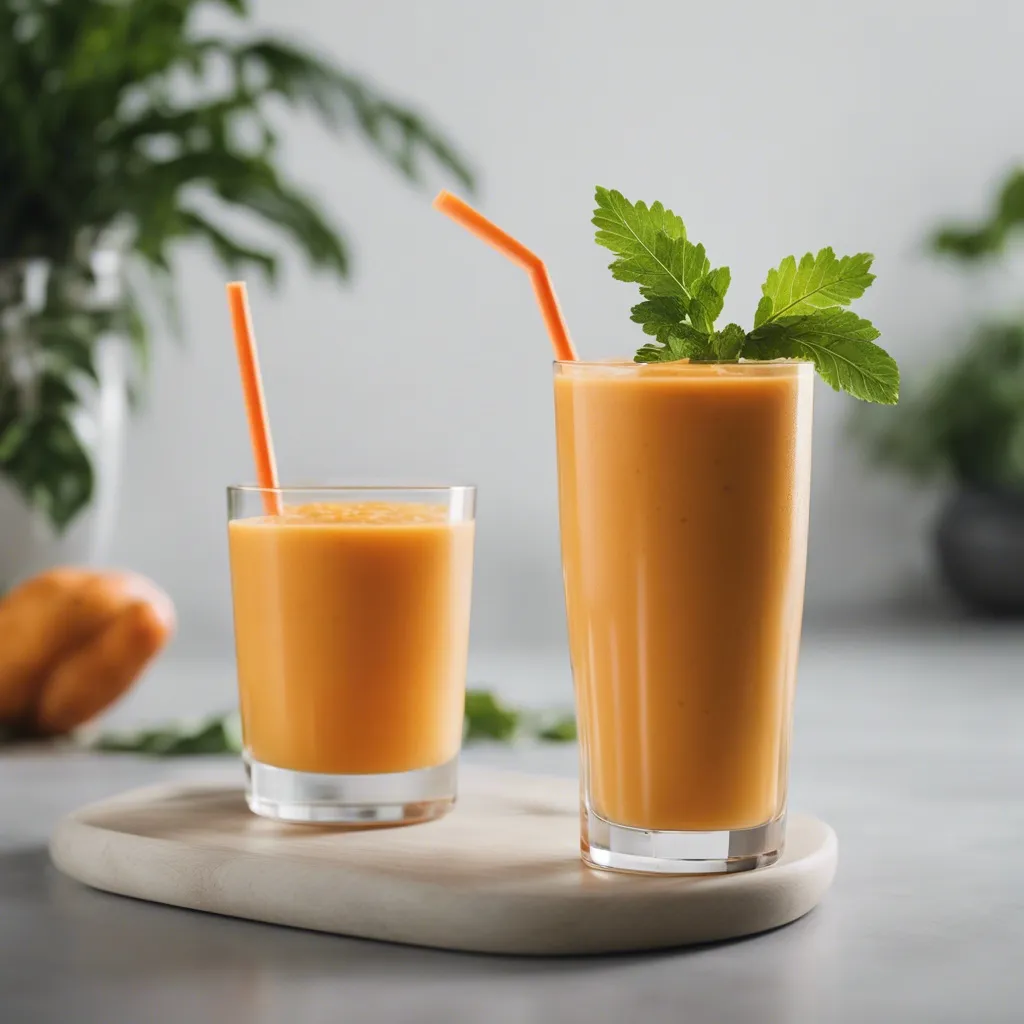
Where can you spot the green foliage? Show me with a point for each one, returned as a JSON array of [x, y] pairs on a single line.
[[708, 299], [727, 344], [664, 317], [217, 735], [490, 718], [561, 730], [684, 295], [799, 316], [47, 356], [123, 125], [487, 717], [989, 237], [967, 424]]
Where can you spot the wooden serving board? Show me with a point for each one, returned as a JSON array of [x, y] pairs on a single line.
[[501, 874]]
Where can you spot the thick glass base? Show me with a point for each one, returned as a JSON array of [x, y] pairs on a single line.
[[612, 847], [395, 798]]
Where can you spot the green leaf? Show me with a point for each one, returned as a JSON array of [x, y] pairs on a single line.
[[629, 229], [49, 465], [817, 282], [679, 341], [55, 392], [234, 255], [708, 299], [1010, 206], [488, 718], [651, 245], [562, 730], [671, 268], [216, 735], [969, 244], [728, 342], [398, 134], [664, 318], [674, 348], [684, 296], [840, 344], [987, 238], [68, 349], [12, 438], [659, 316]]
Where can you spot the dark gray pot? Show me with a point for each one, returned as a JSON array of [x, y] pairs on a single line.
[[980, 540]]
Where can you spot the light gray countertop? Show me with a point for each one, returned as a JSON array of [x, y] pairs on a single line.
[[909, 744]]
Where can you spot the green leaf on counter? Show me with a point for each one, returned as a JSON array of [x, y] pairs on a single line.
[[217, 735], [487, 717], [563, 730]]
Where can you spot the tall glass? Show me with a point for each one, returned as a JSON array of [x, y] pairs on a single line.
[[684, 492], [351, 608]]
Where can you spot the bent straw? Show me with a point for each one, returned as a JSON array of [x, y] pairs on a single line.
[[476, 223], [252, 389]]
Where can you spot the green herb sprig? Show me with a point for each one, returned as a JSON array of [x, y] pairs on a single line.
[[801, 314]]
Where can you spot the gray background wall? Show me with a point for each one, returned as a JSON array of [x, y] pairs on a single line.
[[771, 127]]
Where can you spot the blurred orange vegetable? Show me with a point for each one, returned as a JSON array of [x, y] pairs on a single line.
[[72, 641]]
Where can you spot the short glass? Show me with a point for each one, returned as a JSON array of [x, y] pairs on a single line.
[[351, 611], [683, 494]]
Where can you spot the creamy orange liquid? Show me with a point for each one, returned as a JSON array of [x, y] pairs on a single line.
[[351, 632], [684, 500]]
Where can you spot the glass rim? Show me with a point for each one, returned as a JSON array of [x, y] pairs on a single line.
[[682, 365], [356, 488]]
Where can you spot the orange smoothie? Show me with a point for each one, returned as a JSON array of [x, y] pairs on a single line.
[[351, 632], [684, 494]]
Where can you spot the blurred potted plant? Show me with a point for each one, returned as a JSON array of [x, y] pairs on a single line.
[[125, 131], [967, 426]]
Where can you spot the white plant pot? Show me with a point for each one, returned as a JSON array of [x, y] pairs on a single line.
[[28, 543]]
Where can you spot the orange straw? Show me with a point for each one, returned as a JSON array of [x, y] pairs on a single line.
[[255, 404], [476, 223]]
